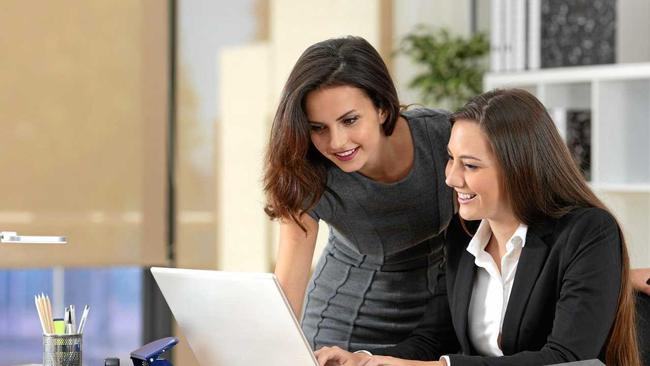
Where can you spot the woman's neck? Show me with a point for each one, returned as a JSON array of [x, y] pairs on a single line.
[[502, 230], [394, 159]]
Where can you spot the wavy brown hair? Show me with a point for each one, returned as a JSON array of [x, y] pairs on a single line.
[[295, 175], [542, 180]]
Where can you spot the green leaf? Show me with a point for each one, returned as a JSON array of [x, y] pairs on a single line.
[[454, 66]]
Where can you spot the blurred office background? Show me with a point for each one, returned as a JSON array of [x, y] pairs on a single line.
[[137, 129]]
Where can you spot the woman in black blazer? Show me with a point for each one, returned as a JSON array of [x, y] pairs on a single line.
[[545, 279]]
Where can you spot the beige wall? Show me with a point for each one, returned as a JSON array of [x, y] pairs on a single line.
[[242, 226], [297, 24], [204, 28], [83, 105]]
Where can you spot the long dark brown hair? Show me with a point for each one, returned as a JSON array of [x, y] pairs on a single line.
[[295, 173], [542, 180]]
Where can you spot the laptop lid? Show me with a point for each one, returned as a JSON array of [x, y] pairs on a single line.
[[233, 318]]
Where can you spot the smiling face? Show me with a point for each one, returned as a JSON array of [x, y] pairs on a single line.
[[473, 172], [345, 127]]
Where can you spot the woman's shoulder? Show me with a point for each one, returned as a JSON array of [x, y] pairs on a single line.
[[432, 123], [427, 114], [586, 226], [588, 216]]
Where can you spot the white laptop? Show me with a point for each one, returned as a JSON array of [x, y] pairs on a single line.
[[234, 319]]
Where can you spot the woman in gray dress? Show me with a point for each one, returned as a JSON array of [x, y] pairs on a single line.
[[343, 151]]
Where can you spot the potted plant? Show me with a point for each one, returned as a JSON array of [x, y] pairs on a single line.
[[453, 66]]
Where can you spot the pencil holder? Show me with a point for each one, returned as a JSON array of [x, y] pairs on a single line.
[[61, 349]]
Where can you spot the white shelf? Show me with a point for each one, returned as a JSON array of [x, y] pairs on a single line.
[[565, 75], [621, 188], [619, 99]]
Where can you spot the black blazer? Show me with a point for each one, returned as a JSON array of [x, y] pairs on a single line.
[[561, 308]]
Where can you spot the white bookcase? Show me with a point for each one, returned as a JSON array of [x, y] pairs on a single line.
[[619, 99]]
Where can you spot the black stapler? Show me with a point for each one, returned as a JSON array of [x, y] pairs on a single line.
[[148, 355]]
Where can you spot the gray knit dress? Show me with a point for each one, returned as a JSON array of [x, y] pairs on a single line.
[[379, 268]]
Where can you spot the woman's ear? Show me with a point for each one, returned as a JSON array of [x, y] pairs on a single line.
[[382, 116]]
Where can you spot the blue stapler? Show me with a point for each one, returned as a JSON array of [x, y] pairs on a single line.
[[148, 355]]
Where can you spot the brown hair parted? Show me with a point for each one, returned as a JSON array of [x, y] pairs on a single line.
[[541, 179], [295, 172]]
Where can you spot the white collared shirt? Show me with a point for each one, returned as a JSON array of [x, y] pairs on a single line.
[[491, 289]]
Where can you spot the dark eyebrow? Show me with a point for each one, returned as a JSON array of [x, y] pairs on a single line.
[[469, 157], [464, 156], [346, 114]]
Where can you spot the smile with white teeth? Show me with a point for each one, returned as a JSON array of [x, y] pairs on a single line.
[[465, 196], [345, 153]]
